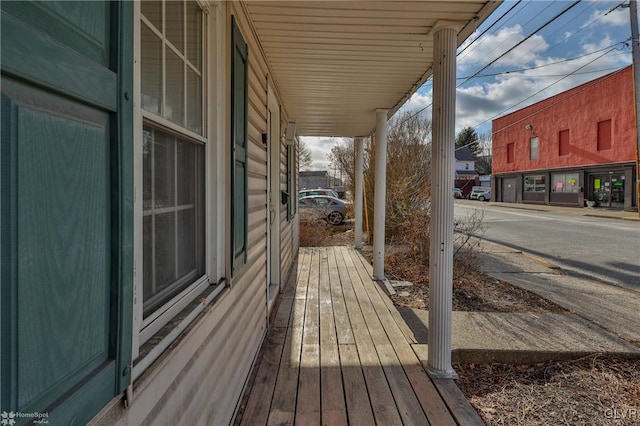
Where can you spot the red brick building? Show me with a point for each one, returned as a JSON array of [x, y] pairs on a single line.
[[578, 145]]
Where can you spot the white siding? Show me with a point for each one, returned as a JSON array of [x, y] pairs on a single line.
[[200, 379]]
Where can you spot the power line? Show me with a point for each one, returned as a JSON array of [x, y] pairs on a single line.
[[548, 64], [533, 16], [608, 49], [553, 33], [565, 10], [489, 27]]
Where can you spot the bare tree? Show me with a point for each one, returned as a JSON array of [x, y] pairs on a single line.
[[484, 157], [304, 156]]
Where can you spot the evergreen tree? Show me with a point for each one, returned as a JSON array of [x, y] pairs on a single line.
[[469, 137]]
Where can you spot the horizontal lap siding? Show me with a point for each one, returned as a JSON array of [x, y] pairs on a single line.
[[201, 379]]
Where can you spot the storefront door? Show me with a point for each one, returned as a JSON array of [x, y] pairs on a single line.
[[607, 190], [617, 190]]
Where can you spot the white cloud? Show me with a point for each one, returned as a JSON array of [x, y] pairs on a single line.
[[418, 102], [617, 18], [320, 147], [490, 46]]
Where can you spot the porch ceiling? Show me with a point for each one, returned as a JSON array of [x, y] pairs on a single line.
[[335, 62]]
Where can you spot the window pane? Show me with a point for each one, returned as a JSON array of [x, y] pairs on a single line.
[[534, 148], [152, 10], [194, 102], [147, 257], [163, 171], [151, 70], [174, 106], [187, 259], [186, 172], [194, 35], [165, 250], [174, 22], [173, 223], [147, 160]]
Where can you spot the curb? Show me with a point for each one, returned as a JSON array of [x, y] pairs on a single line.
[[549, 264], [488, 356]]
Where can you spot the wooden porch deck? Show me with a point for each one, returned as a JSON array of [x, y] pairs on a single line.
[[339, 353]]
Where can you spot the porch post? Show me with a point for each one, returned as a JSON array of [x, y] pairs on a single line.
[[358, 196], [442, 172], [380, 194]]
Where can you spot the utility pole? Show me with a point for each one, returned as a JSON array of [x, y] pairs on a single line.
[[635, 53]]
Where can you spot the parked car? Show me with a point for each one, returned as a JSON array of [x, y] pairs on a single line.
[[480, 194], [318, 191], [323, 208], [457, 193]]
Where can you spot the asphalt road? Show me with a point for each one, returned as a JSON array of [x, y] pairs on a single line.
[[602, 249]]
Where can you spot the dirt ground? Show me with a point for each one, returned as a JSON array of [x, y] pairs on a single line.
[[596, 390]]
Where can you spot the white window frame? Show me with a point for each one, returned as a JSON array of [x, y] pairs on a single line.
[[214, 129]]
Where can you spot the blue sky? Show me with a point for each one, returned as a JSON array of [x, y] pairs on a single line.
[[585, 43]]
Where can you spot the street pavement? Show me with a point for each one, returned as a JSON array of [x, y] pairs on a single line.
[[596, 248], [601, 318]]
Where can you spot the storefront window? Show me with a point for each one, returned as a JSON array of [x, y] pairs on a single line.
[[534, 183], [565, 182]]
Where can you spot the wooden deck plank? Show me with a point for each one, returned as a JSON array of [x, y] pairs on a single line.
[[283, 405], [343, 325], [358, 406], [308, 398], [259, 403], [408, 405], [336, 353], [408, 333], [428, 396], [283, 313], [332, 394], [384, 408], [458, 404]]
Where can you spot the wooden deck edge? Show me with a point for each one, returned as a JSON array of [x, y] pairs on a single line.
[[458, 404], [408, 333]]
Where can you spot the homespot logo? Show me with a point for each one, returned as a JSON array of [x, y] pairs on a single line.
[[9, 419]]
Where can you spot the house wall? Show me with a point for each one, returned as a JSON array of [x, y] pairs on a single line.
[[578, 110], [465, 165], [200, 379]]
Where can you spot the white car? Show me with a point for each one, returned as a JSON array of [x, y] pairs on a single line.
[[318, 191], [480, 194]]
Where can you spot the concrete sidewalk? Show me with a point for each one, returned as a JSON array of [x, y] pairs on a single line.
[[601, 318]]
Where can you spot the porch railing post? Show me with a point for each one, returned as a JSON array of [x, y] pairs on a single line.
[[442, 173], [358, 196], [380, 194]]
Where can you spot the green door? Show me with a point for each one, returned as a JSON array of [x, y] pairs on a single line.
[[66, 202]]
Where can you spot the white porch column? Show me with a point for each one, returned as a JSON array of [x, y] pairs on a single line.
[[380, 197], [442, 172], [358, 196]]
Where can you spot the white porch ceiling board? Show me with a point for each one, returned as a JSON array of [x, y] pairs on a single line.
[[335, 62]]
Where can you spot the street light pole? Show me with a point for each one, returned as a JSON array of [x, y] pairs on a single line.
[[635, 53]]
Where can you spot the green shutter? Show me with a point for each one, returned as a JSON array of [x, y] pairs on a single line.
[[239, 139], [66, 203], [290, 200]]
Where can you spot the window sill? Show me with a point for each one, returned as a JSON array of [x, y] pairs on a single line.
[[171, 332]]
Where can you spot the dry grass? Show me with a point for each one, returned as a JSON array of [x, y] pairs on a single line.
[[596, 390], [316, 234], [472, 289]]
